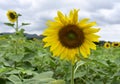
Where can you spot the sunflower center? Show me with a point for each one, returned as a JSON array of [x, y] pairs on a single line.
[[12, 15], [115, 44], [71, 36], [107, 45]]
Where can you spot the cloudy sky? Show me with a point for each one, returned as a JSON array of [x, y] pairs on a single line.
[[37, 12]]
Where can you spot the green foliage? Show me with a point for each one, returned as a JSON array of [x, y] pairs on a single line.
[[25, 61], [23, 24], [9, 24]]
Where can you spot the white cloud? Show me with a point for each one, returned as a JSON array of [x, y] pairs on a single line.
[[110, 32]]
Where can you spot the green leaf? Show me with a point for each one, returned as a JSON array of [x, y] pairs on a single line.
[[22, 31], [16, 58], [13, 72], [9, 24], [57, 82], [4, 70], [98, 82], [48, 74], [2, 81], [80, 74], [23, 24], [19, 14], [80, 63], [15, 79], [30, 81], [37, 81], [42, 78], [116, 82]]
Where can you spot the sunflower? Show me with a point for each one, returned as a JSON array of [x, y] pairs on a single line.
[[12, 15], [107, 45], [115, 44], [66, 36]]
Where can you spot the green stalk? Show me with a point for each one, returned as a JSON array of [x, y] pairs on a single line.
[[16, 30], [16, 25], [73, 69], [72, 74]]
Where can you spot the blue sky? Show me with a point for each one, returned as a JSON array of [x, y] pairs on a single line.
[[37, 12]]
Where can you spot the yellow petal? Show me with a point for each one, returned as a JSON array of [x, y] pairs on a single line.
[[71, 14], [75, 16], [59, 50], [91, 44], [83, 51], [64, 55], [91, 30], [54, 46], [54, 24], [86, 47], [49, 32], [92, 37], [50, 39], [47, 45], [61, 17], [84, 21], [89, 25]]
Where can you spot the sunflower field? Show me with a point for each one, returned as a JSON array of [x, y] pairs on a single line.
[[36, 61]]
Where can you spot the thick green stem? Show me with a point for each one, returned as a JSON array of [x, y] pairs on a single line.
[[16, 30], [16, 25], [72, 74]]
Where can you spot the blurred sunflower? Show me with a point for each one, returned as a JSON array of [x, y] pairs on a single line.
[[107, 45], [115, 44], [12, 15], [66, 36]]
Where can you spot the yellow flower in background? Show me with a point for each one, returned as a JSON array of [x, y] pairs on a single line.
[[115, 44], [12, 15], [107, 45], [66, 35]]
